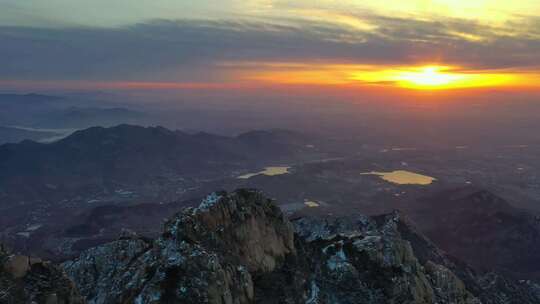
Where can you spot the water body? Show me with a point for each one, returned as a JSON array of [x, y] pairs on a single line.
[[402, 177], [311, 204], [270, 171]]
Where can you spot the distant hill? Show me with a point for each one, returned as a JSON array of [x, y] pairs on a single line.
[[28, 98], [54, 112], [44, 187], [16, 109], [79, 117], [483, 230], [131, 155], [15, 135]]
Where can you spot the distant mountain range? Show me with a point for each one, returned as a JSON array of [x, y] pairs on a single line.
[[126, 154], [52, 112], [59, 198], [83, 117], [28, 99], [16, 107], [94, 174]]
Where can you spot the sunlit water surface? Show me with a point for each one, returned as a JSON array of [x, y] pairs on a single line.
[[403, 177], [270, 171]]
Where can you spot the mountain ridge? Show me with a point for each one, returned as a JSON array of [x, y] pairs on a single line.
[[101, 153], [239, 248], [482, 229]]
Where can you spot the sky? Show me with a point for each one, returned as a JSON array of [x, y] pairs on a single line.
[[235, 45]]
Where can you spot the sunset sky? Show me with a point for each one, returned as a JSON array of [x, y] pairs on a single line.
[[230, 44]]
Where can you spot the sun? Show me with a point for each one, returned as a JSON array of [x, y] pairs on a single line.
[[432, 77], [429, 76]]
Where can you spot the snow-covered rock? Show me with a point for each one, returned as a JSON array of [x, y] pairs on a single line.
[[238, 248]]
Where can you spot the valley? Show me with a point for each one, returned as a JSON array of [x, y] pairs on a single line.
[[269, 152], [75, 213]]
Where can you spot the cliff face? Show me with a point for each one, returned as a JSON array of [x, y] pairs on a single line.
[[205, 255], [28, 280], [238, 248], [366, 260]]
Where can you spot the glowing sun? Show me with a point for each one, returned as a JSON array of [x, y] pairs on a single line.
[[418, 77], [430, 76]]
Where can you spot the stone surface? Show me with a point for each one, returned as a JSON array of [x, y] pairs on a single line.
[[29, 280], [205, 255], [238, 248]]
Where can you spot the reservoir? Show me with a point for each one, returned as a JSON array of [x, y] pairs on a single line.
[[270, 171], [402, 177]]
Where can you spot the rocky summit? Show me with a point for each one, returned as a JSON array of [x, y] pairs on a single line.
[[209, 254], [30, 280], [239, 248]]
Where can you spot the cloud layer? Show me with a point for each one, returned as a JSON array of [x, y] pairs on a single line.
[[212, 51]]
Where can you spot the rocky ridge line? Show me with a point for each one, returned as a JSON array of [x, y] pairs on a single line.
[[238, 248], [30, 280]]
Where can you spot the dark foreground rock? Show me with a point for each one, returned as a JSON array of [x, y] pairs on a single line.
[[239, 248], [207, 254], [29, 280]]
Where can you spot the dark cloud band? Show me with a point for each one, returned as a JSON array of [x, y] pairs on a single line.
[[190, 49]]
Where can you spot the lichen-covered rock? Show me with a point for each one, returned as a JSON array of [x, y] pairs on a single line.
[[205, 255], [368, 261], [238, 248], [96, 269], [29, 280], [498, 290], [449, 288], [243, 226]]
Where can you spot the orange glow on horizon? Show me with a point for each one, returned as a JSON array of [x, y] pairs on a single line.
[[434, 77], [422, 77], [122, 85], [259, 76]]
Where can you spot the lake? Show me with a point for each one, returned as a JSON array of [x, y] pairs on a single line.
[[311, 204], [270, 171], [403, 177]]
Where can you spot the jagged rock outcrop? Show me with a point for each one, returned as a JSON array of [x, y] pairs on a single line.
[[366, 260], [205, 255], [239, 248], [30, 280], [497, 289]]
